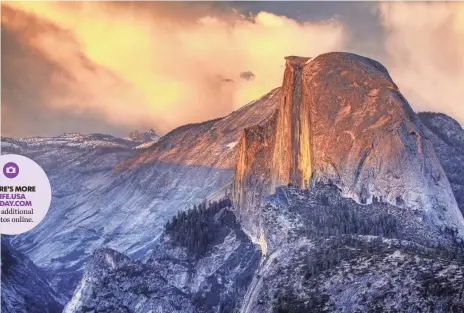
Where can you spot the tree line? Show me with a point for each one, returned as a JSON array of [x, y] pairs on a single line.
[[195, 228]]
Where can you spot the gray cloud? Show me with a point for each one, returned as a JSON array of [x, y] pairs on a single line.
[[248, 75]]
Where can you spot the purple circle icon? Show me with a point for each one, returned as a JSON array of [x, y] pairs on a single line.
[[11, 170]]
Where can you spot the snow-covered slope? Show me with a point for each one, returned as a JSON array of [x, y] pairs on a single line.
[[78, 166], [107, 194], [67, 140]]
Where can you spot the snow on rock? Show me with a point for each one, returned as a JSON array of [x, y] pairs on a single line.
[[137, 136], [107, 194], [231, 145], [322, 259], [145, 145], [172, 279]]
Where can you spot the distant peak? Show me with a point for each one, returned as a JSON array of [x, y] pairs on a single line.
[[138, 136]]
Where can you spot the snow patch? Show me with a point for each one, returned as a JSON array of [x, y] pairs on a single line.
[[231, 145], [146, 145]]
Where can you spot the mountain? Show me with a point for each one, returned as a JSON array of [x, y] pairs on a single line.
[[137, 136], [327, 194], [378, 229], [67, 140], [76, 166], [447, 137], [105, 193], [211, 143], [145, 140], [25, 288], [343, 121]]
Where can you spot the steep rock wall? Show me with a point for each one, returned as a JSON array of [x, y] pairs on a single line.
[[254, 174], [291, 158], [342, 120]]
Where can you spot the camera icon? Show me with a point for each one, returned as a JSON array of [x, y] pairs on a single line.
[[10, 170]]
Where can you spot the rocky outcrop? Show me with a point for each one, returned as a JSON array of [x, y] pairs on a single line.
[[173, 279], [114, 283], [342, 120], [327, 253], [276, 152]]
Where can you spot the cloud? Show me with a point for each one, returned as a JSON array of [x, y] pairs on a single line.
[[425, 53], [133, 67], [248, 75], [23, 95]]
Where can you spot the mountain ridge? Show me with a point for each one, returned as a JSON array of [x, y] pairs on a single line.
[[321, 127], [134, 191]]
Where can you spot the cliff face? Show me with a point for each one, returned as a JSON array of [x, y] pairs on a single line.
[[254, 175], [448, 140], [342, 120], [276, 152], [292, 159]]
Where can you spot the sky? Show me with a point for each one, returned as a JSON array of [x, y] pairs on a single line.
[[112, 67]]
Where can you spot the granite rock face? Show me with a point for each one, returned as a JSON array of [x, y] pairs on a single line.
[[292, 152], [114, 283], [342, 120], [172, 278], [447, 137]]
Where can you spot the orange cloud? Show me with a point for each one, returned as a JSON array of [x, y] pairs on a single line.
[[425, 47], [133, 68]]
